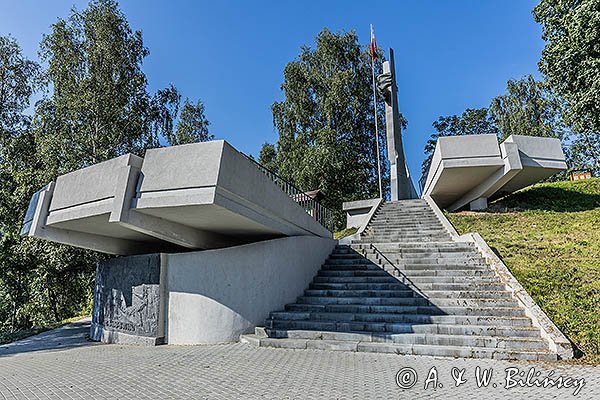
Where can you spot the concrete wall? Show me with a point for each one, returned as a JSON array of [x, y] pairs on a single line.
[[359, 213], [214, 296]]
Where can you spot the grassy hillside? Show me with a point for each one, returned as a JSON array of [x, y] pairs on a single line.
[[549, 237]]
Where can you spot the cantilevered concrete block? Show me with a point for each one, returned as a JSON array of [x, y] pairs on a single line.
[[465, 170], [196, 196]]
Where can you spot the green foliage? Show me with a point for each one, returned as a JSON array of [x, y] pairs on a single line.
[[528, 108], [325, 123], [472, 122], [99, 104], [17, 75], [192, 126], [548, 235], [571, 64], [344, 232], [268, 157]]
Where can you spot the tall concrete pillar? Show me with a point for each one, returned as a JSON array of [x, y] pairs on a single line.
[[401, 185]]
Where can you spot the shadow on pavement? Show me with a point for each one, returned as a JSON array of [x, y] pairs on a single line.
[[69, 336]]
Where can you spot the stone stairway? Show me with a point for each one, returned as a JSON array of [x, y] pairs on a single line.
[[405, 287]]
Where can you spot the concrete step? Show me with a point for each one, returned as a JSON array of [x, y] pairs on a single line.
[[447, 266], [431, 260], [405, 267], [441, 329], [453, 286], [397, 239], [360, 293], [407, 224], [420, 253], [499, 342], [408, 301], [416, 280], [405, 233], [418, 273], [395, 348], [464, 280], [397, 285], [412, 217], [406, 247], [414, 301], [395, 252], [403, 210], [470, 294], [407, 309], [369, 319], [354, 326], [353, 272], [355, 279], [432, 273], [392, 228], [376, 258]]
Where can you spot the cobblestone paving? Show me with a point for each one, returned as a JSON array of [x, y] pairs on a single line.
[[237, 371]]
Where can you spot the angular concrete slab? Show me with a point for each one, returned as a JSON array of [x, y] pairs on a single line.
[[469, 170], [195, 196]]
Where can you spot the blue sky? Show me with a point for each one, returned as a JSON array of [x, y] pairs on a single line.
[[450, 55]]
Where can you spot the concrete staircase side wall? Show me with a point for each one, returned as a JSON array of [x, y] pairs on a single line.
[[557, 341], [214, 296]]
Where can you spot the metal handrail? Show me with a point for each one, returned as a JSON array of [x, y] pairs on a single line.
[[320, 213], [405, 278]]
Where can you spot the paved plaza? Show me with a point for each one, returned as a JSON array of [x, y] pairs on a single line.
[[62, 364]]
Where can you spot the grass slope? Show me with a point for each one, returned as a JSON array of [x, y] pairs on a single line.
[[549, 237]]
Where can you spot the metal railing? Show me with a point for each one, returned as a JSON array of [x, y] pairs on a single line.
[[320, 213], [405, 279]]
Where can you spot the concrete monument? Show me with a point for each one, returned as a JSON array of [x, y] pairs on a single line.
[[401, 186], [163, 214]]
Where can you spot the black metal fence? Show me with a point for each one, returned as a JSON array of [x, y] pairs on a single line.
[[320, 213]]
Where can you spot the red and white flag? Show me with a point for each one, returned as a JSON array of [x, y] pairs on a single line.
[[373, 45]]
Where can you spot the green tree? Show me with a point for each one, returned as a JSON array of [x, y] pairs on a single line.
[[473, 121], [528, 108], [325, 122], [192, 126], [17, 75], [571, 64], [268, 157], [99, 107]]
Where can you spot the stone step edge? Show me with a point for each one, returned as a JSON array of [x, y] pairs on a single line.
[[406, 308], [407, 349], [381, 337], [383, 315]]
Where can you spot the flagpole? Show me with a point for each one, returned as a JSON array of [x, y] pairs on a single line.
[[375, 113]]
